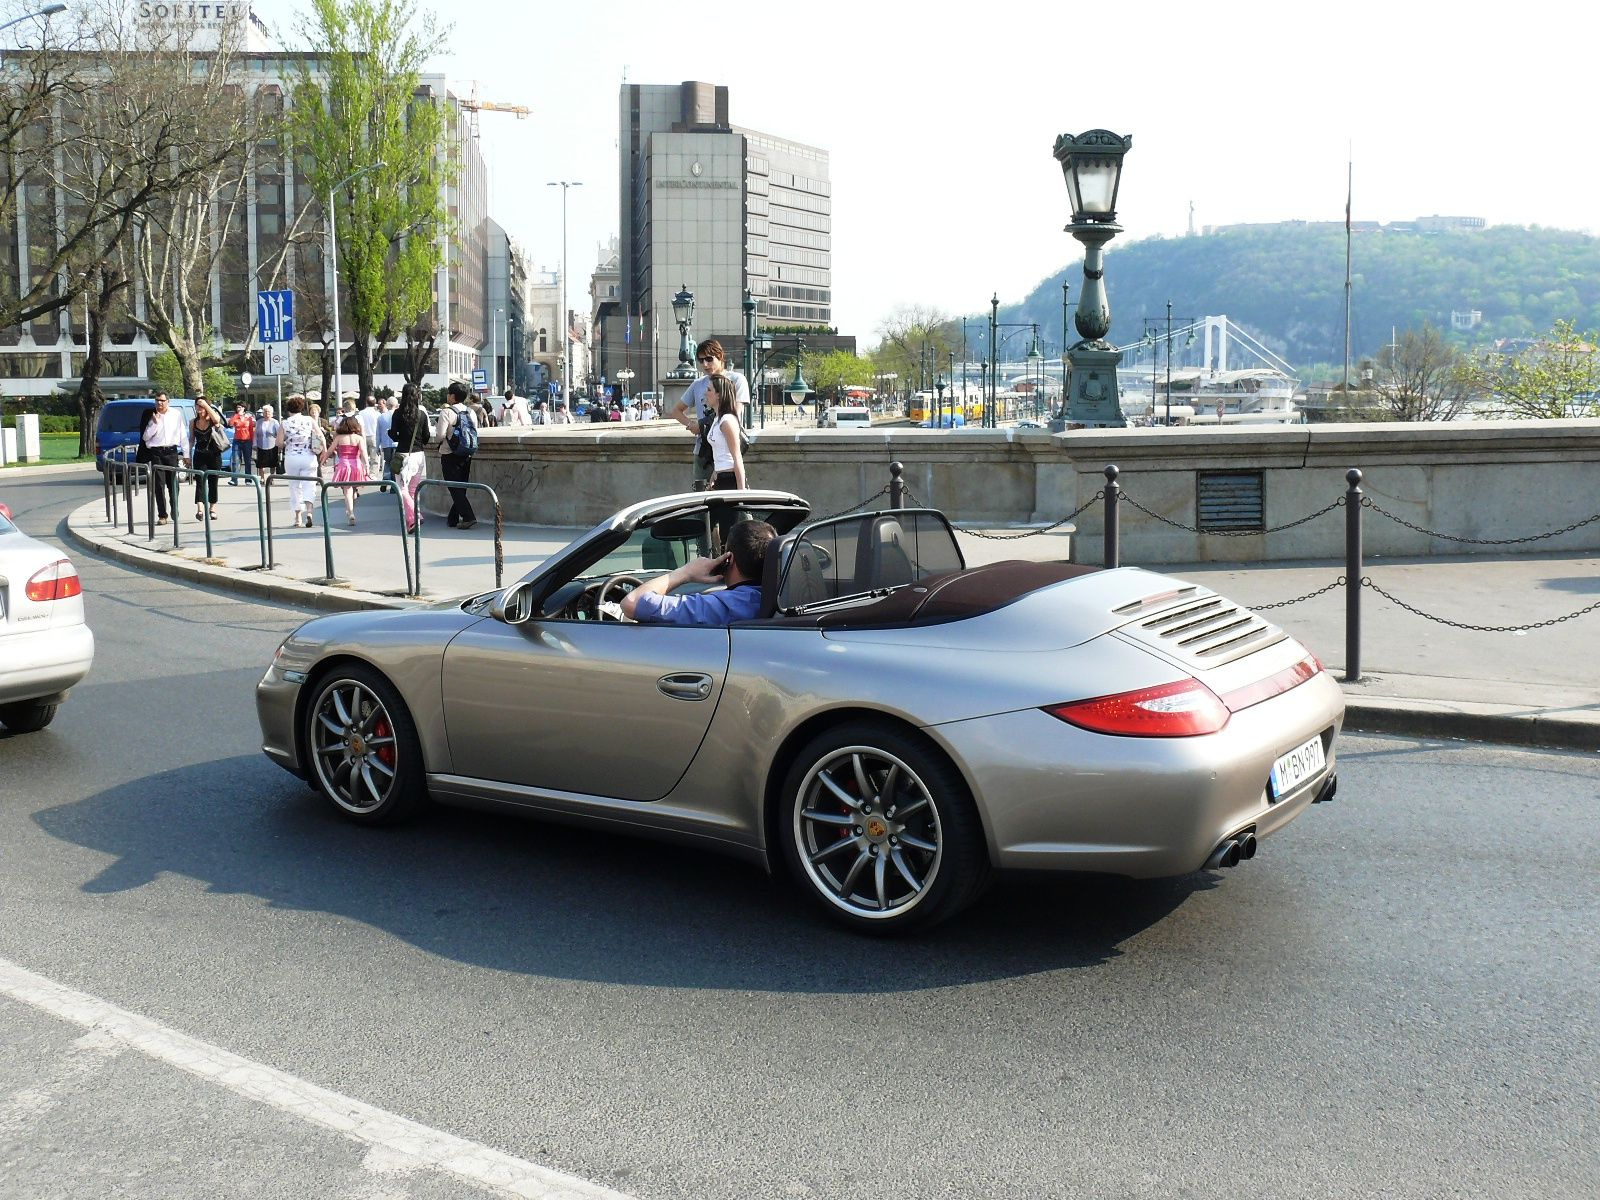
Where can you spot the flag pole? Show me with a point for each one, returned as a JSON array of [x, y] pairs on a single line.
[[1349, 194]]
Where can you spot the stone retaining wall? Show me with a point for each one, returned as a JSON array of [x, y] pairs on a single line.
[[1482, 480]]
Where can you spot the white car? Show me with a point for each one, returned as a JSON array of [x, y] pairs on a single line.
[[45, 647]]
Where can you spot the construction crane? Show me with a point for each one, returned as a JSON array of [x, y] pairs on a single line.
[[475, 106]]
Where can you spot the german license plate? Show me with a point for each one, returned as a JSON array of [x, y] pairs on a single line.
[[1300, 764]]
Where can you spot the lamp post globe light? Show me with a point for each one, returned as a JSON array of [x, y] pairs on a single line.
[[683, 314], [798, 388], [1091, 164]]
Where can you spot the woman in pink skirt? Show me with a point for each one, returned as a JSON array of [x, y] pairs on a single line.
[[349, 460]]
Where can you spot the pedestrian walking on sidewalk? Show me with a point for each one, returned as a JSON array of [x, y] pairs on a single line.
[[301, 445], [243, 426], [349, 460], [208, 437], [458, 441], [267, 458], [164, 442], [408, 429]]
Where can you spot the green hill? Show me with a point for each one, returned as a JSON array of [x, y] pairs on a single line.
[[1284, 284]]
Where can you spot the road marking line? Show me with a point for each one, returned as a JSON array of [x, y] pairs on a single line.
[[318, 1106]]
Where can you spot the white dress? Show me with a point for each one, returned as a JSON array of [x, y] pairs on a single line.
[[299, 458]]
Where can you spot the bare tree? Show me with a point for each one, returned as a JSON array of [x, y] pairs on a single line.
[[914, 342], [1423, 378]]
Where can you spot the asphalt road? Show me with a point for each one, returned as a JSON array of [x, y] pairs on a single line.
[[1396, 997]]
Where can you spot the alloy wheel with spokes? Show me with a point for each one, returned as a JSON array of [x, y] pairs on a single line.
[[362, 746], [873, 822]]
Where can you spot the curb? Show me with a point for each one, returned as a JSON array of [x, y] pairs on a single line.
[[1482, 723], [175, 565]]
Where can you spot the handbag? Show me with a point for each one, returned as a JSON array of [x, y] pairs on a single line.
[[218, 442]]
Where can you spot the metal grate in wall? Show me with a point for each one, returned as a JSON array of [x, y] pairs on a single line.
[[1232, 500]]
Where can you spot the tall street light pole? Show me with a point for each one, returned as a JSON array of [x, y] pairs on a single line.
[[1066, 290], [333, 257], [566, 325], [49, 10], [991, 418], [494, 346]]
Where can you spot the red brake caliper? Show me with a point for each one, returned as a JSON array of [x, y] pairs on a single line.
[[385, 753]]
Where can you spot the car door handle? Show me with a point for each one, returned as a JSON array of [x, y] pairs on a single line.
[[690, 685]]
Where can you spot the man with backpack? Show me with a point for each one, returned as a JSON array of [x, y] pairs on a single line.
[[458, 442]]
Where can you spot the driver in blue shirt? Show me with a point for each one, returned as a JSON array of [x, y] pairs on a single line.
[[740, 569]]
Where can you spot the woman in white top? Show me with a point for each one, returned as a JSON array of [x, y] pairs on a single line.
[[727, 458], [301, 446]]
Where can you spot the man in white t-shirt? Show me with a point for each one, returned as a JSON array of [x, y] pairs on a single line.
[[513, 410], [694, 408], [368, 416]]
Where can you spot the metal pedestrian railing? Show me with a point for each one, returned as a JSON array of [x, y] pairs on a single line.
[[331, 577], [499, 526]]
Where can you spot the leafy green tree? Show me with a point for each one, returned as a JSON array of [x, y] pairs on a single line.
[[373, 142], [829, 372], [1420, 377], [218, 384], [1559, 376]]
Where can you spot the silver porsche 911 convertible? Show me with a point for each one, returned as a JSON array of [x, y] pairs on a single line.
[[888, 730]]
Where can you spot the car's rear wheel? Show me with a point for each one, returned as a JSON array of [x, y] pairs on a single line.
[[27, 716], [880, 831], [362, 746]]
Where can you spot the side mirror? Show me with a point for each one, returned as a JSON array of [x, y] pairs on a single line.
[[515, 605]]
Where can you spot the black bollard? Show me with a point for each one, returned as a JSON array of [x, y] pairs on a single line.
[[1112, 556], [1352, 577], [897, 485]]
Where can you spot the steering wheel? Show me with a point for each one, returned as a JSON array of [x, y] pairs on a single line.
[[623, 584]]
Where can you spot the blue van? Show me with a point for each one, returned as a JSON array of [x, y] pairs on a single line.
[[119, 425]]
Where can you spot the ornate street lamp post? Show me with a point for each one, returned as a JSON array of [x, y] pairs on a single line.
[[1091, 164], [1036, 368], [683, 314]]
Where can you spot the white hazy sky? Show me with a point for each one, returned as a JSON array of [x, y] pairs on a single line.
[[939, 120]]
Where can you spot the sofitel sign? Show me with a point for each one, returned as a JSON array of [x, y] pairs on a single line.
[[200, 14]]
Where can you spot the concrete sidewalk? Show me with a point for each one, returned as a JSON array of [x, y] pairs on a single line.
[[1426, 676]]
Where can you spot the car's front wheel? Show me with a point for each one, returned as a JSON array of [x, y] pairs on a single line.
[[27, 716], [362, 747], [880, 830]]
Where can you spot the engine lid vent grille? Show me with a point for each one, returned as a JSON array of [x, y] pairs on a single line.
[[1201, 628]]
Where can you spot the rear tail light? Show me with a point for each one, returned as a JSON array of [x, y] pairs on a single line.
[[58, 581], [1187, 708]]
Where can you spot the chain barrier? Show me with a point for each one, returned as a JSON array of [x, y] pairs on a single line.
[[884, 491], [1321, 512], [1337, 583], [1011, 537], [1395, 600], [1367, 502]]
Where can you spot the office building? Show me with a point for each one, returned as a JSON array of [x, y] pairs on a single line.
[[718, 209]]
